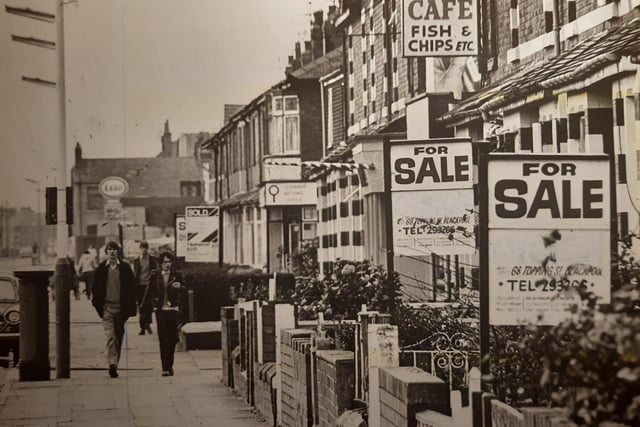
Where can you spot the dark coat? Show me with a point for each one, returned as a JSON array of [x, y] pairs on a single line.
[[176, 293], [127, 289], [153, 267]]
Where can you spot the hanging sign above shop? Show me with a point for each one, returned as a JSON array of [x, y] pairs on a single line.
[[440, 28]]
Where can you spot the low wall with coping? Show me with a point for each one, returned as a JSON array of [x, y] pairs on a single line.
[[335, 378]]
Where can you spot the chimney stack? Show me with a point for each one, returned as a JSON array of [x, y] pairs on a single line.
[[331, 38], [317, 42]]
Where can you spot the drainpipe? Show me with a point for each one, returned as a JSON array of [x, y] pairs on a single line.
[[556, 28], [322, 118]]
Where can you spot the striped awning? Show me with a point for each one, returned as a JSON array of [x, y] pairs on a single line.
[[321, 166]]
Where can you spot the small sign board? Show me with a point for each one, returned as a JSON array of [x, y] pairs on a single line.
[[432, 197], [440, 28], [288, 194], [181, 235], [202, 226], [113, 209], [113, 187]]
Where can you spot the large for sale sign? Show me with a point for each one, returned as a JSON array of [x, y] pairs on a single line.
[[202, 223], [440, 28], [549, 231], [432, 197]]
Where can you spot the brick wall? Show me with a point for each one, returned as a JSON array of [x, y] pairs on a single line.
[[295, 345], [229, 338], [335, 378], [265, 392], [310, 119], [239, 376], [405, 391]]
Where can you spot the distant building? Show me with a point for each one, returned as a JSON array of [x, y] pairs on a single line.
[[158, 188]]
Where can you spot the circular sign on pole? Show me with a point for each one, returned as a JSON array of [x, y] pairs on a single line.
[[113, 187]]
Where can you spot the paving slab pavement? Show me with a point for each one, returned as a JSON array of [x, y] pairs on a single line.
[[140, 396]]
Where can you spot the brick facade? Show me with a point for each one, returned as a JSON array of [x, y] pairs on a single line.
[[335, 378], [406, 391], [265, 392], [296, 377], [229, 338]]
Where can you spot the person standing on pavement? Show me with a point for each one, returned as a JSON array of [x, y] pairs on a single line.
[[114, 298], [168, 302], [86, 265], [145, 267]]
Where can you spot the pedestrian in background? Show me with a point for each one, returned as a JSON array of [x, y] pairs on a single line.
[[169, 308], [86, 265], [114, 298], [145, 267], [75, 280]]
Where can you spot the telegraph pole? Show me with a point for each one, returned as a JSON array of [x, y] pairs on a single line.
[[63, 273]]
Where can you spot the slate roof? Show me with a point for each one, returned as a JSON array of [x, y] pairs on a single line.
[[577, 63], [320, 67], [250, 198], [230, 110], [147, 177]]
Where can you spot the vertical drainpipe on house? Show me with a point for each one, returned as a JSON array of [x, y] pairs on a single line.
[[322, 118], [345, 73], [389, 54], [556, 28], [388, 212]]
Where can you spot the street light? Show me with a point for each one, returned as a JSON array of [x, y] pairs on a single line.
[[39, 252]]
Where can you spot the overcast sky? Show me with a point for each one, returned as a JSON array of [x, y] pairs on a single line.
[[130, 65]]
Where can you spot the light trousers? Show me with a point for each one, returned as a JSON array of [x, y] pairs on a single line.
[[113, 324]]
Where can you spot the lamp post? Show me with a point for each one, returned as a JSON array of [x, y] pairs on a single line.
[[38, 254]]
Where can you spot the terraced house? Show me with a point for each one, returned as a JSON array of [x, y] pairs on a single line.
[[549, 77]]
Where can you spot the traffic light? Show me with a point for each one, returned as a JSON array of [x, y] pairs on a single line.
[[51, 205], [69, 204]]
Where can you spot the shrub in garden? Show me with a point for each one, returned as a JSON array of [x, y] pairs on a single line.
[[341, 294], [590, 362], [211, 288]]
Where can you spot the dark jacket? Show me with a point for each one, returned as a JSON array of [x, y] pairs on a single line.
[[127, 289], [176, 292], [153, 267]]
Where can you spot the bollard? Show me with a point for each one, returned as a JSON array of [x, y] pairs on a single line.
[[63, 278], [34, 323]]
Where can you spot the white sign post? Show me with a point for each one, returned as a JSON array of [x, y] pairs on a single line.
[[202, 223], [432, 197], [440, 28], [548, 231]]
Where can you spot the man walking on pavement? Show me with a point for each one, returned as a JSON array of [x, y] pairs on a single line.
[[169, 306], [145, 268], [114, 298]]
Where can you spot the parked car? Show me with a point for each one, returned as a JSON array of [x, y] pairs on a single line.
[[9, 316]]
